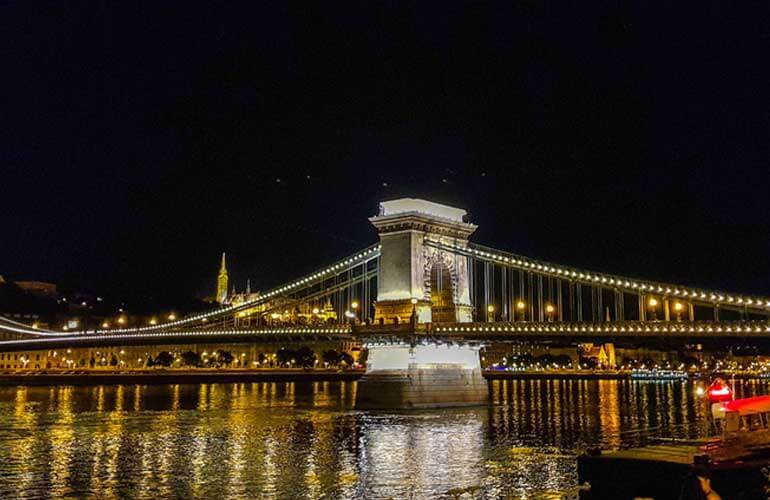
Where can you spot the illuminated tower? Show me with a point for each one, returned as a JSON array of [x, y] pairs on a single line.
[[222, 282]]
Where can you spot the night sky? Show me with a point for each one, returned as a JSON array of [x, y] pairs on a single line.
[[140, 140]]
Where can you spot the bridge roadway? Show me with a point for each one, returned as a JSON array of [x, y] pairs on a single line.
[[648, 333]]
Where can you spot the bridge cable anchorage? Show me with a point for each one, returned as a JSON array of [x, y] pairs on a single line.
[[711, 298]]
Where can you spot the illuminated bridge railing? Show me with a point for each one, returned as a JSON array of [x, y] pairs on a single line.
[[356, 259], [360, 258], [232, 335], [598, 279], [10, 326], [633, 329]]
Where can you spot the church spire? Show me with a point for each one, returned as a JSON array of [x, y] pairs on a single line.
[[222, 280]]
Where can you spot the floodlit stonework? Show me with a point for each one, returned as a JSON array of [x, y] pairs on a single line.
[[410, 270], [422, 376]]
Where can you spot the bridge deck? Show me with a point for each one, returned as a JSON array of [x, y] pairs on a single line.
[[533, 331]]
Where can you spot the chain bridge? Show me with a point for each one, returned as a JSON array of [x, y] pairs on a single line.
[[425, 273], [425, 285]]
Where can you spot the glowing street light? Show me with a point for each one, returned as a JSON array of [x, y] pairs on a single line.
[[549, 310], [153, 321], [354, 305], [490, 313], [171, 317], [316, 310], [122, 320], [521, 306], [653, 303], [678, 308], [105, 325]]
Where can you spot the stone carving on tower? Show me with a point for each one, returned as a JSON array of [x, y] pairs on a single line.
[[222, 280], [416, 276]]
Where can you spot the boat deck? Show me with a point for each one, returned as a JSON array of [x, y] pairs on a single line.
[[657, 471], [669, 453]]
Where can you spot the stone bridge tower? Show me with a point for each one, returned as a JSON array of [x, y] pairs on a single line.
[[416, 276]]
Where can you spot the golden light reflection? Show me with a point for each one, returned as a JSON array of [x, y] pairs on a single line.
[[23, 447], [62, 438], [280, 440], [609, 412]]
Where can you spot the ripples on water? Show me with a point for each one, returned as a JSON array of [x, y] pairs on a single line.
[[305, 440]]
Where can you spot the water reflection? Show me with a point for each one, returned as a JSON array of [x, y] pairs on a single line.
[[305, 440]]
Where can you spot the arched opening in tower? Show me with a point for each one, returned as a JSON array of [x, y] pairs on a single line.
[[441, 294]]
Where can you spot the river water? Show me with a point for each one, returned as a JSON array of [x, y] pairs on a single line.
[[306, 440]]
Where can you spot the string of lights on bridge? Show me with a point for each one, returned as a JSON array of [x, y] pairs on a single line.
[[364, 255], [591, 278], [628, 327], [26, 329], [338, 330], [498, 257]]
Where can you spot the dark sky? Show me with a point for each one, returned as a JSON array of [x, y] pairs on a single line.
[[139, 140]]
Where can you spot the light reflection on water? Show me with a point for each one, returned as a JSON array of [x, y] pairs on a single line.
[[305, 440]]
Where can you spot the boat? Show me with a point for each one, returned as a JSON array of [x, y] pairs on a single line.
[[742, 426], [655, 374], [736, 448]]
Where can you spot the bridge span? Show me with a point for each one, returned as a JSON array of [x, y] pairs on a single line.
[[425, 280], [641, 333]]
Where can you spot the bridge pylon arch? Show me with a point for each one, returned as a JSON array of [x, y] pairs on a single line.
[[404, 282]]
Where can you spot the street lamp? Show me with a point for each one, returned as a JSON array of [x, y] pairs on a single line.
[[521, 306], [490, 313], [171, 317], [678, 308], [549, 310], [653, 303], [121, 320], [153, 321]]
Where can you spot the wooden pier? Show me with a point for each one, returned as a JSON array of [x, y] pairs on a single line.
[[658, 471]]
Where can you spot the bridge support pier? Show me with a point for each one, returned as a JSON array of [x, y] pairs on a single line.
[[422, 376]]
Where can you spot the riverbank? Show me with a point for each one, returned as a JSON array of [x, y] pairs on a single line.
[[180, 376], [145, 377], [557, 374], [177, 376]]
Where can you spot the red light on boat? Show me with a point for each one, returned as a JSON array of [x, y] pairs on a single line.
[[719, 391]]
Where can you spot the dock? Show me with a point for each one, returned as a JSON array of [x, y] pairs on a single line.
[[658, 471]]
